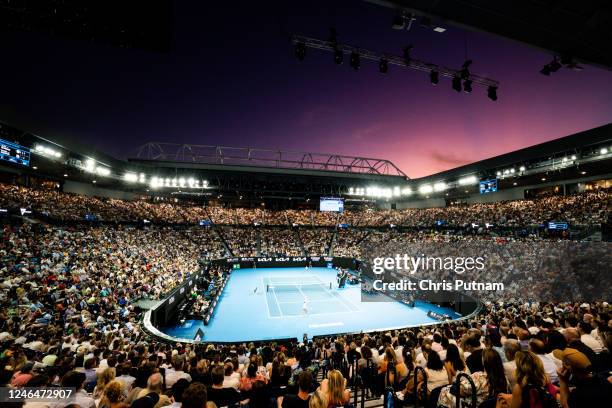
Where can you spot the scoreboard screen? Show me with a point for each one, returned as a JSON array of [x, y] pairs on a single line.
[[558, 225], [331, 204], [14, 153], [488, 186]]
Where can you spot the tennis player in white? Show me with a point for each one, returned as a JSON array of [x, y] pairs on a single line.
[[305, 306]]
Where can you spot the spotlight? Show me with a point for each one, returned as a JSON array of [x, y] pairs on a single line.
[[300, 51], [434, 77], [467, 86], [545, 70], [554, 65], [355, 60], [406, 53], [457, 84], [338, 56], [492, 93], [383, 66]]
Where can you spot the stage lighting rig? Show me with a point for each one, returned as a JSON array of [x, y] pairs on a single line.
[[492, 93], [355, 60], [434, 77], [552, 66], [457, 83], [383, 66], [300, 51], [406, 60], [406, 53], [338, 57], [555, 65], [467, 86]]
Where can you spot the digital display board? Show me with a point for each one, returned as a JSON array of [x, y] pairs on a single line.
[[14, 153], [557, 225], [331, 204], [488, 186]]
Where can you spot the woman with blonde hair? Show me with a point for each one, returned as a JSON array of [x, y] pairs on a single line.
[[533, 387], [334, 388], [317, 400], [105, 378], [392, 371], [113, 396]]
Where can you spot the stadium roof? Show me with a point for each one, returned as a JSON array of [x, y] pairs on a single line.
[[253, 159], [566, 145], [578, 30]]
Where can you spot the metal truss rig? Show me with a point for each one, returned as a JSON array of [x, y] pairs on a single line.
[[392, 59], [249, 156]]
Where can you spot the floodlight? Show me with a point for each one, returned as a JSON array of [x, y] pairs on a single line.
[[338, 56], [492, 93], [355, 60], [300, 51], [425, 189], [383, 66], [457, 84], [440, 186], [434, 77], [467, 86], [130, 177]]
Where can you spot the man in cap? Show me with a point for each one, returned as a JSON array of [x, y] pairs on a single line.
[[586, 387]]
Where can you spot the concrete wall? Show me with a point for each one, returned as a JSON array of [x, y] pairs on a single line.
[[91, 190]]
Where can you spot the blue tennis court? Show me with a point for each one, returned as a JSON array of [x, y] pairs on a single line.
[[302, 295], [291, 302]]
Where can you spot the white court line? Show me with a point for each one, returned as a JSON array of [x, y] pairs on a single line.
[[302, 293], [263, 284], [325, 325], [301, 316], [309, 301], [343, 300], [278, 304]]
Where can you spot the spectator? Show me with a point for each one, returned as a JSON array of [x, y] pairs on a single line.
[[217, 393], [334, 389], [511, 347], [302, 398], [578, 386], [194, 396]]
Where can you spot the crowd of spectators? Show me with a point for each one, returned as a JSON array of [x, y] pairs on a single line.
[[279, 242], [316, 241], [586, 209], [348, 242], [528, 267], [243, 241], [518, 354], [69, 313], [531, 354]]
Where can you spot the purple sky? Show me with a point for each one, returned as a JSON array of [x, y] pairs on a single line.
[[232, 80]]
